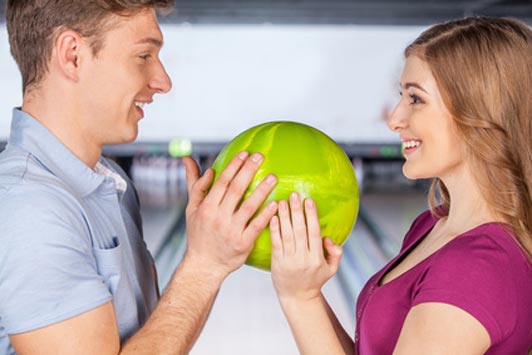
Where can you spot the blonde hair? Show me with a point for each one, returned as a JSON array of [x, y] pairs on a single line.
[[483, 69]]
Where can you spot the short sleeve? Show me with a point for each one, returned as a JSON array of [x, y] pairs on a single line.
[[47, 271], [474, 274]]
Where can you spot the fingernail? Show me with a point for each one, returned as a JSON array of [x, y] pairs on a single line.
[[309, 203], [256, 157], [294, 197], [271, 205], [270, 179], [283, 205], [243, 155]]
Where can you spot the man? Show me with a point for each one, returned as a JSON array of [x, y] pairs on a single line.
[[75, 274]]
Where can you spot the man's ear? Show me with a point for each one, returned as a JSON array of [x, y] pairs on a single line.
[[68, 49]]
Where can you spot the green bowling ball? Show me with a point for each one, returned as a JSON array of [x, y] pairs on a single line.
[[304, 160]]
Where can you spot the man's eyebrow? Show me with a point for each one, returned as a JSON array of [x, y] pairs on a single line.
[[415, 85], [151, 40]]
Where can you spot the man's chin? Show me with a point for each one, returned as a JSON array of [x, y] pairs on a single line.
[[125, 138]]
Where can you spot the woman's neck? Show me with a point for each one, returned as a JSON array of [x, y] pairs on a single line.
[[468, 207]]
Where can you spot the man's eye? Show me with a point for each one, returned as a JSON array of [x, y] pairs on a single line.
[[145, 56]]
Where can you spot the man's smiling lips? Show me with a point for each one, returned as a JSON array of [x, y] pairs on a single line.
[[139, 105]]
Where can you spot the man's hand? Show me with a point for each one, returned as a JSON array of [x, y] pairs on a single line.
[[221, 230]]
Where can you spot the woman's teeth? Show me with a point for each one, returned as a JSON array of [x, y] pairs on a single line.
[[411, 144]]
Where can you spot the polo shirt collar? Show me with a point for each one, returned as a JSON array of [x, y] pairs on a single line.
[[30, 135]]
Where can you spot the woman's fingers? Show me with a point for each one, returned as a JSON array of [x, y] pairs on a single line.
[[275, 235], [313, 227], [334, 255], [300, 230], [299, 267], [287, 235], [298, 223]]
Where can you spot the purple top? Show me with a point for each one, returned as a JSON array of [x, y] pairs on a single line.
[[482, 271]]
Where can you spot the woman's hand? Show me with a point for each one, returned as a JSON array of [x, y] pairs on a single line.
[[299, 265]]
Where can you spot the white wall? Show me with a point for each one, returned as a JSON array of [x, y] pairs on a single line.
[[10, 85], [340, 79]]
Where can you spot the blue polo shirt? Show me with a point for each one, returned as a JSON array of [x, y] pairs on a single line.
[[70, 237]]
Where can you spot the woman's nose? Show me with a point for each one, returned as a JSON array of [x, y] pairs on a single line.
[[397, 119]]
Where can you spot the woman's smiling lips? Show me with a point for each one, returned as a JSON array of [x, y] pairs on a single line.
[[410, 145]]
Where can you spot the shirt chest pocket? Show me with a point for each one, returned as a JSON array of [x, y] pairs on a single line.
[[112, 267]]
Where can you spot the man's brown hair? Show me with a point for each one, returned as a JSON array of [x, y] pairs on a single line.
[[33, 26]]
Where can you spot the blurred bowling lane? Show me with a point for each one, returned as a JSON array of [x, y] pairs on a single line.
[[390, 213], [247, 319], [383, 220]]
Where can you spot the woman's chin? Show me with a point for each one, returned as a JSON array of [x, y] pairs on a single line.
[[412, 174]]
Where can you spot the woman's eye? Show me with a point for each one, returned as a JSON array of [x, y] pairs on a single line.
[[415, 99], [145, 56]]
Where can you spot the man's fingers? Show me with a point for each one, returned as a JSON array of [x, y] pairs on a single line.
[[221, 185], [250, 206], [192, 172], [200, 188], [240, 182], [197, 186], [260, 222]]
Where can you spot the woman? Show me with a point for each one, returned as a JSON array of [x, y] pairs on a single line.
[[462, 282]]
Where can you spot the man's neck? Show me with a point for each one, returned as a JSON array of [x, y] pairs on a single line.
[[63, 122]]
